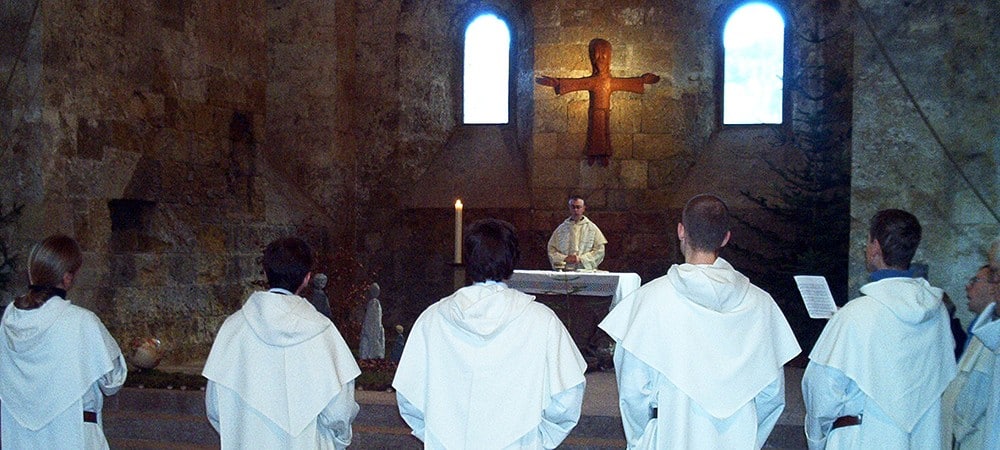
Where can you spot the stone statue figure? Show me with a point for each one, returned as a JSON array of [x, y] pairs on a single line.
[[600, 84], [397, 347], [372, 332], [318, 298]]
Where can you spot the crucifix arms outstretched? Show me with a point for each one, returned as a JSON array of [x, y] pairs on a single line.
[[600, 84]]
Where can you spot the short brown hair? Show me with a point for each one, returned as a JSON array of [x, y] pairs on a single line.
[[706, 222], [287, 261], [490, 250], [898, 234]]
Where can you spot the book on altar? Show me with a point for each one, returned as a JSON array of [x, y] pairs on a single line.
[[816, 296]]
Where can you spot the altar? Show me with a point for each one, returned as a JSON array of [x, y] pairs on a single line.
[[615, 285], [581, 300]]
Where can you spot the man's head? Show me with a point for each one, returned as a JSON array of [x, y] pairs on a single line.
[[600, 55], [982, 289], [704, 224], [490, 250], [576, 207], [892, 240], [288, 263]]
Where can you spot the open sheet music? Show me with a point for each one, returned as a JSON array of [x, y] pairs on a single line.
[[816, 296]]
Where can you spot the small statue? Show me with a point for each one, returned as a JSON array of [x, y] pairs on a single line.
[[372, 331], [397, 347], [318, 298]]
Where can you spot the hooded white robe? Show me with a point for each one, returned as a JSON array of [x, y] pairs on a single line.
[[707, 349], [581, 238], [886, 356], [963, 405], [280, 376], [489, 368], [987, 330], [56, 362]]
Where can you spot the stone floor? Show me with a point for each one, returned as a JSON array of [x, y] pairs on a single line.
[[166, 419]]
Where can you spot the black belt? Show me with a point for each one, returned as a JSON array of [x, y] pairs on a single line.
[[90, 416], [846, 421]]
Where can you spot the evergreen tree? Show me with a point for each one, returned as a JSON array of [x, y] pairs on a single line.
[[804, 227]]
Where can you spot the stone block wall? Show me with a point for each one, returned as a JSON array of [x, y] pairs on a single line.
[[651, 133], [138, 129], [175, 139], [926, 134], [667, 144]]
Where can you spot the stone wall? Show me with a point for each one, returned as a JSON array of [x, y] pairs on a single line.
[[139, 132], [668, 145], [175, 139], [926, 134]]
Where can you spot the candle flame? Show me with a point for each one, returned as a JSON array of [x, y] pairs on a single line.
[[458, 204]]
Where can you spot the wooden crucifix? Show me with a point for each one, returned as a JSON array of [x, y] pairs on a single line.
[[600, 84]]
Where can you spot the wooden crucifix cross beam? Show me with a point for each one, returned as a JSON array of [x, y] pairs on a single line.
[[600, 84]]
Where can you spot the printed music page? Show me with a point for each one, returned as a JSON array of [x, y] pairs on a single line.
[[816, 296]]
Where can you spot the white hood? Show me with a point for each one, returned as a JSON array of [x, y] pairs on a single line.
[[712, 333], [283, 358], [923, 301], [24, 330], [717, 286], [283, 320], [63, 344], [485, 310], [902, 321], [486, 345]]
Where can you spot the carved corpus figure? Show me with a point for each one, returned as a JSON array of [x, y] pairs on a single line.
[[600, 84]]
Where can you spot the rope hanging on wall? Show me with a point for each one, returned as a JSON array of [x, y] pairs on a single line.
[[923, 117], [5, 143]]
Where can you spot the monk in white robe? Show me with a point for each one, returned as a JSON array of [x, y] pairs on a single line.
[[877, 373], [488, 367], [701, 351], [986, 329], [576, 243], [279, 374], [57, 360], [964, 405]]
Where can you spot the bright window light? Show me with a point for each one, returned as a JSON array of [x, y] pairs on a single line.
[[754, 46], [487, 69]]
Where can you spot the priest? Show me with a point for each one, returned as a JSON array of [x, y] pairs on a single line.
[[576, 243]]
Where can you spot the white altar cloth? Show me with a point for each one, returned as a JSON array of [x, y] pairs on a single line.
[[617, 285]]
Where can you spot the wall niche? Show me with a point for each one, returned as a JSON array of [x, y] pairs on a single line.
[[132, 226]]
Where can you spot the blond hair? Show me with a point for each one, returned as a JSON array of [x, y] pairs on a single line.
[[49, 260]]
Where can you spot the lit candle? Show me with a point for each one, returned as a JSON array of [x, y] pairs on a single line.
[[458, 231]]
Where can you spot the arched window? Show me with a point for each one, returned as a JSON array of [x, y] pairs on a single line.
[[487, 71], [754, 59]]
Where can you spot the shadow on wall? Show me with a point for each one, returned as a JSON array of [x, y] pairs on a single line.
[[477, 163]]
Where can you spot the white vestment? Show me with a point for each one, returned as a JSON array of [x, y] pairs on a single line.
[[56, 362], [489, 368], [964, 405], [987, 330], [582, 239], [887, 357], [706, 349], [280, 376]]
